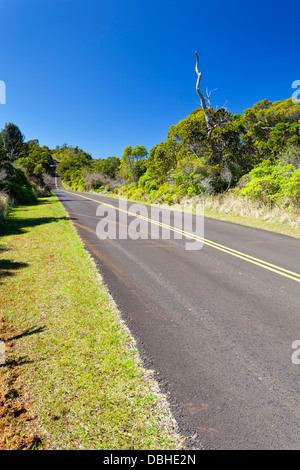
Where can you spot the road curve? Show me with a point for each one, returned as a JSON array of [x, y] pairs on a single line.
[[216, 324]]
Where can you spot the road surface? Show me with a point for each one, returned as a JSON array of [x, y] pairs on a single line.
[[216, 324]]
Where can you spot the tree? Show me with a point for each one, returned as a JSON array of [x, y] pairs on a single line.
[[31, 143], [133, 163], [270, 128], [162, 158], [3, 152], [108, 166], [13, 141], [73, 162], [38, 160], [211, 123]]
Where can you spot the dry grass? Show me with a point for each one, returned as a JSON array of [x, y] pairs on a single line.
[[243, 207], [237, 209], [241, 210], [4, 205]]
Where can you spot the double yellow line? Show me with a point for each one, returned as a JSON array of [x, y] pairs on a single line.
[[238, 254]]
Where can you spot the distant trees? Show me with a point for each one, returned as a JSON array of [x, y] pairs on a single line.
[[107, 166], [270, 127], [72, 162], [13, 141], [133, 163], [81, 172], [210, 151], [198, 158], [3, 153], [256, 153], [24, 167], [195, 159], [37, 161]]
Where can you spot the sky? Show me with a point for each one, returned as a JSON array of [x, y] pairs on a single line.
[[105, 74]]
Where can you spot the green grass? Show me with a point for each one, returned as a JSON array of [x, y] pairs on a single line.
[[78, 362]]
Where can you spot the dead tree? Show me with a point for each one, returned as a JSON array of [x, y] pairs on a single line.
[[209, 123], [202, 99]]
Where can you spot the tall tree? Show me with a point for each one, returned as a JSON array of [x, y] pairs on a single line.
[[209, 114], [37, 161], [13, 141], [108, 166], [3, 153], [132, 162], [162, 158]]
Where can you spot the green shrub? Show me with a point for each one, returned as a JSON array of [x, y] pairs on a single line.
[[150, 186], [144, 179], [269, 183], [192, 190], [181, 190], [16, 185], [291, 190]]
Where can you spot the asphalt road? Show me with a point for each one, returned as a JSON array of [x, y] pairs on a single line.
[[216, 324]]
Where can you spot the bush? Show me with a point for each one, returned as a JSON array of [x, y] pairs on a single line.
[[192, 191], [16, 185], [269, 183], [144, 179], [150, 186]]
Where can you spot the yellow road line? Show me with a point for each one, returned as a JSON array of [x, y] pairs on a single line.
[[251, 259]]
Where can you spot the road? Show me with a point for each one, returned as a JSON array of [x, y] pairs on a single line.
[[216, 324]]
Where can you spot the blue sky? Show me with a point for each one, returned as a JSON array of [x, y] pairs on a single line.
[[104, 74]]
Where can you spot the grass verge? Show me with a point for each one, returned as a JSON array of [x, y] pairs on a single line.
[[76, 360]]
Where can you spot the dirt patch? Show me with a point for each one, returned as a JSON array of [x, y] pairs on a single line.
[[18, 426]]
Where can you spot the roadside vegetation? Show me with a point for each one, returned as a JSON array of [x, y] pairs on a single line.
[[251, 159], [73, 378], [72, 358], [25, 170], [77, 363]]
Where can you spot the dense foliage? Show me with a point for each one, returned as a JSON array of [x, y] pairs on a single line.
[[265, 139], [81, 172], [244, 153], [25, 169], [255, 154]]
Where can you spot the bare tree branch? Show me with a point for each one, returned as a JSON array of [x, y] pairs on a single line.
[[203, 102], [209, 123], [208, 94], [202, 99]]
